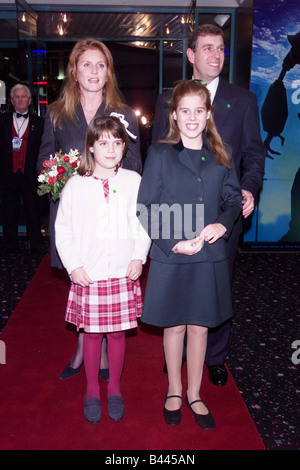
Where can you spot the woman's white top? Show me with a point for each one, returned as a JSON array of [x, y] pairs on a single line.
[[101, 237]]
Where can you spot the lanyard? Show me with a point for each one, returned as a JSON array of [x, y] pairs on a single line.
[[18, 129]]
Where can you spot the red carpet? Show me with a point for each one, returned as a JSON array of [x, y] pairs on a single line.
[[39, 411]]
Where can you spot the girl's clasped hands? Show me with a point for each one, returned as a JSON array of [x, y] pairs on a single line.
[[210, 234]]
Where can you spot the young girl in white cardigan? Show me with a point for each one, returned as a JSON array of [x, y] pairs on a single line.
[[103, 246]]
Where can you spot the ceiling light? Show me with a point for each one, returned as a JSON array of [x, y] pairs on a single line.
[[141, 29], [221, 19], [60, 30]]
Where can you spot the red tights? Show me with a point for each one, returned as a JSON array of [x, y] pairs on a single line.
[[91, 355]]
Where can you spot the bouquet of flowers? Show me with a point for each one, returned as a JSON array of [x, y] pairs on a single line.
[[57, 170]]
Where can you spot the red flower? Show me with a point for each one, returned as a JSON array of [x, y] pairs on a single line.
[[52, 180], [66, 165], [49, 163]]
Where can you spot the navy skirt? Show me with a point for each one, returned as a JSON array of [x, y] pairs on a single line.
[[182, 294]]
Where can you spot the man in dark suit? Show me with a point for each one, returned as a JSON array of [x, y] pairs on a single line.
[[20, 137], [237, 120]]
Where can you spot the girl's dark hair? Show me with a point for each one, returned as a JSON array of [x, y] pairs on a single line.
[[101, 125], [192, 87]]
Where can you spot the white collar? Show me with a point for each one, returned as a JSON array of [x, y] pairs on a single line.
[[212, 87]]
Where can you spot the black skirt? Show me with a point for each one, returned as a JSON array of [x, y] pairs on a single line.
[[182, 294]]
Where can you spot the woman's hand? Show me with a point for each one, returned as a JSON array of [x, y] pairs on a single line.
[[188, 247], [212, 232], [80, 277], [134, 269]]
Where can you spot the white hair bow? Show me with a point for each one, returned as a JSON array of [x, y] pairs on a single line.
[[125, 123]]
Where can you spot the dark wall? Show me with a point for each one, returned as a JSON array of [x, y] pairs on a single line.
[[137, 74], [243, 44]]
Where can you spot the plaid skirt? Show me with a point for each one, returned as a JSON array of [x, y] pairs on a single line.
[[105, 306]]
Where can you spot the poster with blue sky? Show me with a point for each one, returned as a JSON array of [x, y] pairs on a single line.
[[275, 79]]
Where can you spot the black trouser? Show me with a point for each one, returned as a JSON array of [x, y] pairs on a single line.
[[11, 198], [218, 338]]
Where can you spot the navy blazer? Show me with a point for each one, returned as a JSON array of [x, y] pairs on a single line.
[[171, 177], [36, 126], [72, 136], [236, 116]]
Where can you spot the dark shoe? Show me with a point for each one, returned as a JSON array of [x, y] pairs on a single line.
[[69, 371], [204, 421], [218, 375], [92, 409], [172, 417], [104, 374], [116, 408]]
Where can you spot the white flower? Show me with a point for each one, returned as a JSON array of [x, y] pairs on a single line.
[[41, 178], [53, 171], [73, 155]]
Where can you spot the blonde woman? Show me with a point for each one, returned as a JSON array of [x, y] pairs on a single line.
[[91, 89]]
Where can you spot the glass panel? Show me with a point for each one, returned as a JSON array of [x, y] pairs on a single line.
[[8, 26], [172, 63], [27, 23]]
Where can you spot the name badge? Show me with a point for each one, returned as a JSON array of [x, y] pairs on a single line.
[[16, 143]]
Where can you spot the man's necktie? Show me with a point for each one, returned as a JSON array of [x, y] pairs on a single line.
[[200, 81]]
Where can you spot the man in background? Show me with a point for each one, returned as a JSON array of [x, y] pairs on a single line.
[[20, 137]]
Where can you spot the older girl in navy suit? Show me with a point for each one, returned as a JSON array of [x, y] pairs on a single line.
[[188, 287]]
